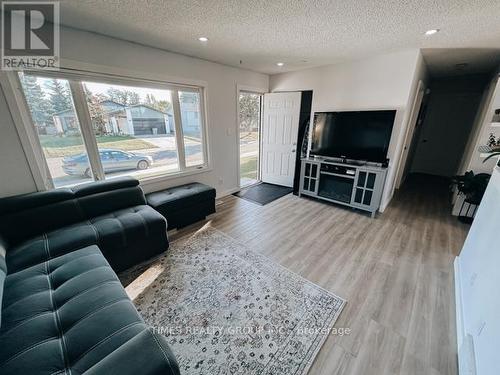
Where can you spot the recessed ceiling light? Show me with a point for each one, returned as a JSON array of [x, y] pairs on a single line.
[[280, 64], [203, 39], [431, 32]]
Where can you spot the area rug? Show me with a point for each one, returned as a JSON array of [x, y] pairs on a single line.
[[263, 193], [226, 309]]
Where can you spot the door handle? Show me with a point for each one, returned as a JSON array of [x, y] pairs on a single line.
[[293, 150]]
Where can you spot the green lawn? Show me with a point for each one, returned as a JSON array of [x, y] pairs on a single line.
[[248, 167], [56, 146], [65, 141]]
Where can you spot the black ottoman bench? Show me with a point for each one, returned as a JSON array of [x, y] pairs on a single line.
[[183, 205]]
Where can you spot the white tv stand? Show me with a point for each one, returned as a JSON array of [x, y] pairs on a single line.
[[351, 183]]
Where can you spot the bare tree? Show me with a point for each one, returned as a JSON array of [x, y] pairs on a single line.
[[122, 96], [160, 105], [97, 113], [249, 112]]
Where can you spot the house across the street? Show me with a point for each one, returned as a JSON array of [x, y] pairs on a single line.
[[139, 119]]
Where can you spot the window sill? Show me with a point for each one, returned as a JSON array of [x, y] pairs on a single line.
[[167, 177]]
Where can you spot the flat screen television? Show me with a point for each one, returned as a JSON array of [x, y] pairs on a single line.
[[359, 135]]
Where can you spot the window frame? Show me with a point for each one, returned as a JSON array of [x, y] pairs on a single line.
[[31, 142]]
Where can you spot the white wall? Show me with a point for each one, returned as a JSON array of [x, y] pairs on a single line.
[[93, 52], [477, 279], [15, 175], [476, 162], [383, 82]]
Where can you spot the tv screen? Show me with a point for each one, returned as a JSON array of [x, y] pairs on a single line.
[[361, 135]]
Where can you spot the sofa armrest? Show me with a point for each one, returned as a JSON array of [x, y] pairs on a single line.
[[147, 354]]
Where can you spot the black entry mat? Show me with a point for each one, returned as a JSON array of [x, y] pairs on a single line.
[[263, 193]]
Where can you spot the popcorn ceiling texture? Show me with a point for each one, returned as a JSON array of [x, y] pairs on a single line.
[[301, 33]]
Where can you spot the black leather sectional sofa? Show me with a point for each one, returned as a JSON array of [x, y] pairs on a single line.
[[63, 309]]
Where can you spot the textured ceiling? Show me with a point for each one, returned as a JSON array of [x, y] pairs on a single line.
[[299, 33]]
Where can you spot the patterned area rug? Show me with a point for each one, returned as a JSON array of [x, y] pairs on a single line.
[[228, 310]]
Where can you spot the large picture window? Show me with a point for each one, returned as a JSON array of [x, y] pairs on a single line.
[[90, 129]]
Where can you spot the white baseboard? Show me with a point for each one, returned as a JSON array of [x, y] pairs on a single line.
[[227, 192], [465, 342], [466, 357], [458, 304]]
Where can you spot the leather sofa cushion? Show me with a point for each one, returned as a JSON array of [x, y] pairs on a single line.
[[179, 197], [155, 357], [29, 215], [102, 197], [69, 314], [113, 232], [33, 200], [50, 245], [139, 227], [84, 190]]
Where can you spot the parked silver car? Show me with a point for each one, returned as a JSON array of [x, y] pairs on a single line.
[[112, 160]]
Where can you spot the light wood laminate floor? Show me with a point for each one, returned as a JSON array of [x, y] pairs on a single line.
[[396, 272]]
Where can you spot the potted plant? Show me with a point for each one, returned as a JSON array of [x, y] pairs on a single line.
[[472, 186]]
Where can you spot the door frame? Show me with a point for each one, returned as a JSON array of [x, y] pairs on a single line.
[[410, 132], [253, 90]]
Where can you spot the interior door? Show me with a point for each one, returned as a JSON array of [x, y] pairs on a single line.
[[279, 137]]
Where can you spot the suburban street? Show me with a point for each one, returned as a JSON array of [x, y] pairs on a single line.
[[164, 156], [164, 160]]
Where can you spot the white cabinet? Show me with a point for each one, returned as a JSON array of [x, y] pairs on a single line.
[[358, 186], [367, 190], [310, 177]]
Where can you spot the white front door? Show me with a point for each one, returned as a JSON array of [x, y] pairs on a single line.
[[279, 137]]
